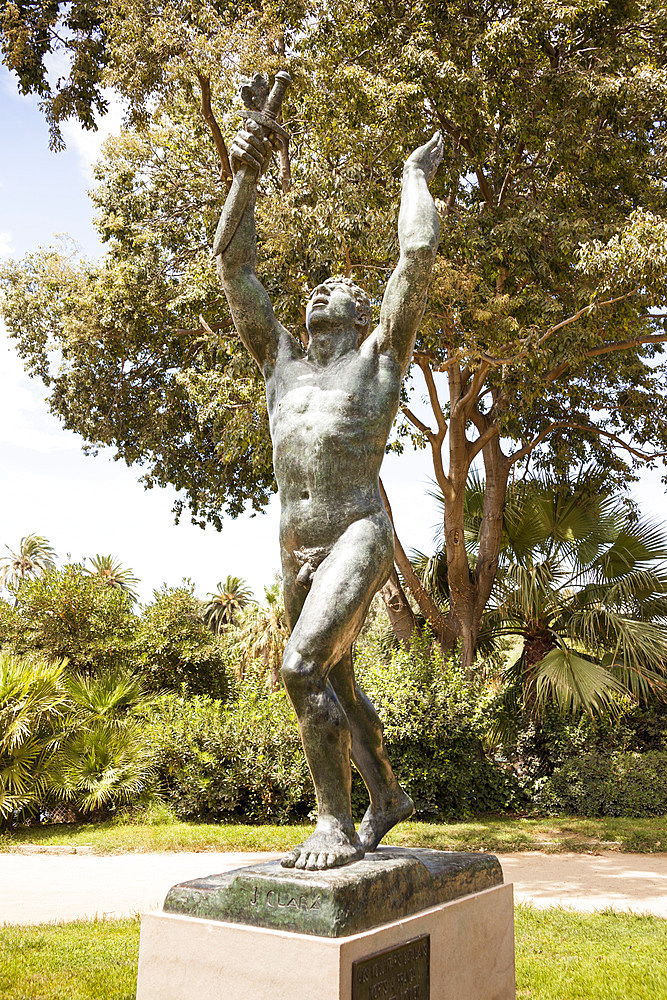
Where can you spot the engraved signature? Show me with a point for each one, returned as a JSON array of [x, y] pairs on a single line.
[[276, 899]]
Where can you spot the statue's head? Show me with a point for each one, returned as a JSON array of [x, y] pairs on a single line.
[[338, 302]]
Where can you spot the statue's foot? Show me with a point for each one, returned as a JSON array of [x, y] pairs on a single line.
[[330, 846], [379, 819]]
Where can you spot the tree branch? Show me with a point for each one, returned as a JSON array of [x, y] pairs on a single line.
[[433, 396], [518, 153], [624, 345], [558, 326], [205, 328], [210, 119], [523, 452], [619, 345], [452, 129], [461, 405], [481, 441], [419, 424], [434, 616], [538, 439]]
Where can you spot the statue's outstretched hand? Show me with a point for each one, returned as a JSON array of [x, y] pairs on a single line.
[[251, 148], [428, 156]]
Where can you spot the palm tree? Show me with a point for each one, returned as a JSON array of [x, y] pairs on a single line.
[[263, 633], [223, 605], [105, 758], [32, 707], [114, 574], [582, 588], [34, 557]]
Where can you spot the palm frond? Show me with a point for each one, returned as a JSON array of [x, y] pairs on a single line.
[[574, 683]]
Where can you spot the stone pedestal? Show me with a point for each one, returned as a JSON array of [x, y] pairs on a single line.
[[399, 925]]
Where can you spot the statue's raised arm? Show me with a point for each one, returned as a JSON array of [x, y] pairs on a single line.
[[418, 234], [248, 300]]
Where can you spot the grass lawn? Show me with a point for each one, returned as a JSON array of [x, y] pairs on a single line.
[[560, 956], [501, 834]]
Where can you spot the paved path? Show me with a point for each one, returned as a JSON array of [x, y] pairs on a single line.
[[41, 888]]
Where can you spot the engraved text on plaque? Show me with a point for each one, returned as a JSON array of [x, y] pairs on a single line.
[[400, 973]]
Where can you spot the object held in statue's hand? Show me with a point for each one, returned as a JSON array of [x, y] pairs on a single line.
[[263, 108]]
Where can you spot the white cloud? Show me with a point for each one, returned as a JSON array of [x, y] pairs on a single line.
[[24, 418], [5, 243], [88, 144]]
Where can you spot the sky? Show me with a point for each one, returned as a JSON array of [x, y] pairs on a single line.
[[88, 505]]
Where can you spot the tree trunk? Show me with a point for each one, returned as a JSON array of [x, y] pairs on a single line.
[[470, 589], [401, 615], [536, 645], [440, 625]]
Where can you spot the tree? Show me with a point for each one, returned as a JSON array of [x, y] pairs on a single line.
[[544, 330], [113, 574], [34, 557], [262, 635], [582, 585], [175, 647], [139, 49], [68, 615], [224, 605]]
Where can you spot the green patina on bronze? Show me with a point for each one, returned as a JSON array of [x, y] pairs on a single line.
[[386, 885], [331, 405]]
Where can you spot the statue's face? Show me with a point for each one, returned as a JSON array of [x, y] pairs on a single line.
[[330, 307]]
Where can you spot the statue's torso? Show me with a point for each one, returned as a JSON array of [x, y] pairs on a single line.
[[329, 427]]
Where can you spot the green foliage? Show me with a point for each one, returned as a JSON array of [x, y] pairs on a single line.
[[176, 649], [32, 31], [104, 758], [67, 614], [582, 585], [7, 622], [434, 726], [69, 739], [243, 762], [261, 635], [604, 784], [552, 194], [32, 706], [100, 765]]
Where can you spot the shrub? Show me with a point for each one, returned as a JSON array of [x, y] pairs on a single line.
[[539, 747], [32, 705], [434, 722], [68, 740], [245, 761], [608, 784], [177, 650], [7, 622], [239, 762]]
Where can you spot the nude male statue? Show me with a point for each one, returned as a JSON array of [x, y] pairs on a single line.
[[331, 409]]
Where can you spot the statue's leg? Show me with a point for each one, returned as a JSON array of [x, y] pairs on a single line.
[[332, 614], [389, 804]]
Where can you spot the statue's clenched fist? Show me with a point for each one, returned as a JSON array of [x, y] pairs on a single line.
[[250, 147]]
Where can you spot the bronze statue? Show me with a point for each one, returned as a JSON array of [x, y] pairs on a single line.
[[331, 408]]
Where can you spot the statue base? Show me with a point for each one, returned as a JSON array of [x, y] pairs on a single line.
[[399, 925]]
